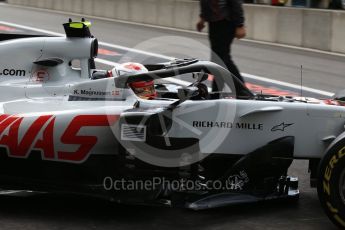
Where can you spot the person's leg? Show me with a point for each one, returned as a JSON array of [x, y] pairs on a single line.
[[231, 66], [221, 35], [218, 42], [229, 30]]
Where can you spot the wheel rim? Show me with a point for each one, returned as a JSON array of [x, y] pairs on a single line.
[[342, 186]]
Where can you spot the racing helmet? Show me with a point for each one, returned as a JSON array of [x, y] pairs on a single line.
[[143, 89]]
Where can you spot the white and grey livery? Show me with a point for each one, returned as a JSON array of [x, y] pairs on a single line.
[[83, 130]]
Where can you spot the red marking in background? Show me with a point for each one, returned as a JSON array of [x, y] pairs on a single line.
[[108, 52], [262, 89], [271, 91], [7, 28], [210, 77]]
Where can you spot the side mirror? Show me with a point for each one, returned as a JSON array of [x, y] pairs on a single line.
[[187, 93], [184, 94], [200, 77]]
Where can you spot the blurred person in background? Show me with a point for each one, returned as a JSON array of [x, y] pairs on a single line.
[[226, 22]]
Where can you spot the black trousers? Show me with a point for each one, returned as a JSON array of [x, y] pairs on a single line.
[[221, 36]]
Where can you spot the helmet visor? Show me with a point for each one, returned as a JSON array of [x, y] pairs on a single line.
[[145, 91]]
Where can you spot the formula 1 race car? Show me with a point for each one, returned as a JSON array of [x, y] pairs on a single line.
[[118, 135]]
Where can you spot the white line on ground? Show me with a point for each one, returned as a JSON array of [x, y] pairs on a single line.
[[175, 29], [174, 80], [48, 32], [136, 51], [106, 62], [99, 60], [293, 86], [170, 79], [101, 43]]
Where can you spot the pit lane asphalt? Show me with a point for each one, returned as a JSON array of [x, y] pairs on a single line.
[[321, 71]]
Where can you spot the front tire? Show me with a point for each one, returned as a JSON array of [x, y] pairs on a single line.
[[331, 183]]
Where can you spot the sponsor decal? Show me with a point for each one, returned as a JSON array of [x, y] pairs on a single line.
[[281, 127], [327, 186], [41, 76], [228, 125], [133, 66], [237, 182], [91, 92], [13, 72], [21, 139]]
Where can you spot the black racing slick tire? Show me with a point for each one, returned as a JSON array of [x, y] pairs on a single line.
[[331, 183]]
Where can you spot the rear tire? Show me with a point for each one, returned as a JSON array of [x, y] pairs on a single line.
[[331, 183]]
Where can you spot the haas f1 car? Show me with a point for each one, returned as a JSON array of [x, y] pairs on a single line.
[[132, 135]]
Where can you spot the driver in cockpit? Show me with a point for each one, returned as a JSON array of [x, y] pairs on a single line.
[[143, 89]]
